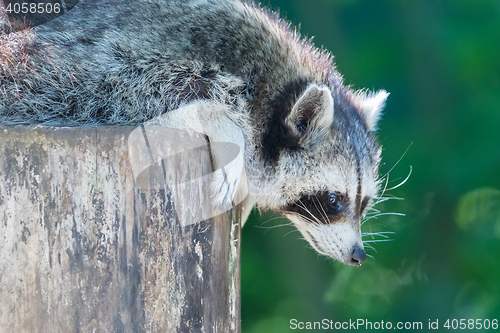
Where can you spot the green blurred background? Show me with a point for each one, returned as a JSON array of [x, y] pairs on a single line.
[[440, 60]]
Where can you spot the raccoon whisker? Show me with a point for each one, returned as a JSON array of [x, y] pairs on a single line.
[[395, 164], [388, 196], [384, 199], [294, 230], [372, 211], [303, 206], [322, 210], [271, 219], [404, 181], [308, 246], [377, 240], [389, 213], [369, 246], [301, 215], [307, 211], [386, 176], [274, 226], [382, 214], [383, 191], [381, 233], [369, 255], [314, 202], [368, 216]]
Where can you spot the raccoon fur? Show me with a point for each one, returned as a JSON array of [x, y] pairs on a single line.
[[229, 69]]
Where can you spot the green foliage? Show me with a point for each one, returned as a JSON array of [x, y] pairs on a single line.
[[479, 211], [440, 62]]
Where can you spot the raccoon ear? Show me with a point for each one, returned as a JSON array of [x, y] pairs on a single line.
[[370, 105], [313, 110]]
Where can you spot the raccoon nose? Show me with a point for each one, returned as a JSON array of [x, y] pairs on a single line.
[[358, 256]]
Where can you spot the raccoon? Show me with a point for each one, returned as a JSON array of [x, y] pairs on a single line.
[[230, 69]]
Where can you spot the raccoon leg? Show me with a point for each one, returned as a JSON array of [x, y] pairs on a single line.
[[227, 145]]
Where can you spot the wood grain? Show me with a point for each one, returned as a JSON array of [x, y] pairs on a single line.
[[85, 248]]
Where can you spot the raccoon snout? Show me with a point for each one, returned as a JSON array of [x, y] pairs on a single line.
[[358, 256]]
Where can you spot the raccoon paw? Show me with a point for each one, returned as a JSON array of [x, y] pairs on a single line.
[[223, 187]]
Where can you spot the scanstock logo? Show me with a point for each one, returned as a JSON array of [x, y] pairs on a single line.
[[24, 14], [180, 162]]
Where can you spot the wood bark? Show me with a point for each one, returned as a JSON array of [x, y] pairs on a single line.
[[86, 245]]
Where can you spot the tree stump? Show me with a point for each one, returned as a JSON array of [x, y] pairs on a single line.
[[96, 238]]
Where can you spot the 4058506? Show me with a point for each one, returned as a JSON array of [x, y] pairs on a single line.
[[33, 8], [471, 324]]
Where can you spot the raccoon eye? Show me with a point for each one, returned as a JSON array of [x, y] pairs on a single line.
[[302, 126], [334, 204]]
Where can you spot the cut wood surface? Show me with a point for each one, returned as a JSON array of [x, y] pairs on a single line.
[[86, 246]]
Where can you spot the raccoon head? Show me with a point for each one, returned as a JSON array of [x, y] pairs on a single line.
[[328, 179]]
